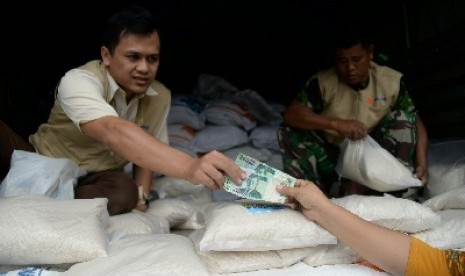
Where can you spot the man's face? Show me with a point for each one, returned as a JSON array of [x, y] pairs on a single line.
[[134, 63], [353, 63]]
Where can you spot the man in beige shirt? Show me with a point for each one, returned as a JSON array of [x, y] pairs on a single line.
[[112, 111]]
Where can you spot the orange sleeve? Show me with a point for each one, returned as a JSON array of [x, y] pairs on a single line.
[[426, 260]]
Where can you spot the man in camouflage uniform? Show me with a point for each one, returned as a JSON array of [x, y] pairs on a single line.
[[355, 98]]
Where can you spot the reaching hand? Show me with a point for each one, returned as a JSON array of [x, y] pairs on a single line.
[[386, 248], [211, 168], [352, 129], [306, 196], [421, 172]]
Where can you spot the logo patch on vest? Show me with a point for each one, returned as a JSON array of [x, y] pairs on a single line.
[[377, 100]]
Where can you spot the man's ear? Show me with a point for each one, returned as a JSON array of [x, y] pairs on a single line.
[[105, 54], [371, 51]]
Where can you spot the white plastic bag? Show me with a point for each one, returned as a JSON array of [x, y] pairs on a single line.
[[34, 174], [446, 167], [367, 163]]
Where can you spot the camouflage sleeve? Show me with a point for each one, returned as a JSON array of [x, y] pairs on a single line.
[[404, 102], [310, 95]]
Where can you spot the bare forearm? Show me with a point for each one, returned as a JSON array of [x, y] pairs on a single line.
[[386, 248], [421, 150], [134, 144], [301, 117]]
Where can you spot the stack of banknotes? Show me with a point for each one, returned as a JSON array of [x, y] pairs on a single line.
[[261, 181]]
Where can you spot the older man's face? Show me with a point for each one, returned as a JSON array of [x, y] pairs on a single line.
[[353, 63]]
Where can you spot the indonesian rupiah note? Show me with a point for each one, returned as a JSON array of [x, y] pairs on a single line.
[[261, 181]]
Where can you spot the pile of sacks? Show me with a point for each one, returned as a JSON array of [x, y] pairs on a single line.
[[219, 116]]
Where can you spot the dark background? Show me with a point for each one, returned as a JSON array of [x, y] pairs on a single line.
[[271, 47]]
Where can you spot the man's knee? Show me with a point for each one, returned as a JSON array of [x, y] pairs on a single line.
[[10, 141], [119, 189]]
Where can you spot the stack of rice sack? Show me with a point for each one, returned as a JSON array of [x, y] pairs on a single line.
[[234, 239], [218, 116]]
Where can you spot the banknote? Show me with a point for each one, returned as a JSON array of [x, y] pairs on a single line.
[[261, 181]]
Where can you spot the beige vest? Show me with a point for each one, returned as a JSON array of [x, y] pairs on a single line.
[[59, 137], [369, 105]]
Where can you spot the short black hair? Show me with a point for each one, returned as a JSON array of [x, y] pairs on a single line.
[[348, 34], [133, 19]]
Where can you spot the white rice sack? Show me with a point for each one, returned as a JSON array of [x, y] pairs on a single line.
[[219, 138], [231, 228], [453, 199], [186, 110], [260, 154], [164, 254], [180, 137], [331, 254], [172, 187], [391, 212], [367, 163], [276, 161], [136, 222], [446, 167], [175, 211], [265, 137], [450, 234], [226, 113], [243, 261], [42, 230]]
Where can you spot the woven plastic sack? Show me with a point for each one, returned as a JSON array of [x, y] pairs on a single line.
[[367, 163]]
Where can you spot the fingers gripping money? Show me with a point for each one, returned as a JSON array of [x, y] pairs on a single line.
[[261, 181]]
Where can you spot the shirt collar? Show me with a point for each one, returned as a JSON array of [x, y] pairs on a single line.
[[362, 86], [114, 87]]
